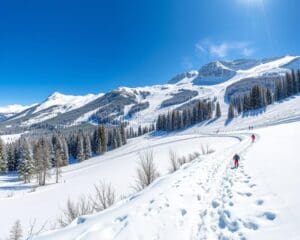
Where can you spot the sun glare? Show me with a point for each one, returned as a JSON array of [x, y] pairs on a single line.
[[252, 2]]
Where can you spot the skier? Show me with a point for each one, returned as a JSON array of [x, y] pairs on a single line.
[[236, 159], [253, 138]]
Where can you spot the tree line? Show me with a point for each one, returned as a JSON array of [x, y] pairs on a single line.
[[260, 97], [34, 158], [190, 115]]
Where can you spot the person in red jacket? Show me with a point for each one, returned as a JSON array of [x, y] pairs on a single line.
[[236, 159], [253, 137]]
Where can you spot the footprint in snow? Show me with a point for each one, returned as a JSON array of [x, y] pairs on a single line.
[[269, 216], [248, 194], [215, 204], [259, 202], [251, 225], [183, 212]]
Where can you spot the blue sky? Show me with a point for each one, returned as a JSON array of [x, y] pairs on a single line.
[[79, 47]]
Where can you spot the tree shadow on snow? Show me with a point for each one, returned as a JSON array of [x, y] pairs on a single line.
[[253, 113]]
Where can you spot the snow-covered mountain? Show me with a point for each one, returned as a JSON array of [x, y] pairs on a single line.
[[204, 199], [143, 104], [11, 110]]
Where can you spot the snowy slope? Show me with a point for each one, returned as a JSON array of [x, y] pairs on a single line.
[[58, 104], [207, 199], [214, 78], [13, 109], [162, 92], [203, 200], [117, 167]]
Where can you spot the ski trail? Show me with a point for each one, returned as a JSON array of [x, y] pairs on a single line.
[[217, 220]]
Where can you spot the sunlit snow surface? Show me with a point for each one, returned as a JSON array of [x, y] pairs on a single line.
[[206, 199]]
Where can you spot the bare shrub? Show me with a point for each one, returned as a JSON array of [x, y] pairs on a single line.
[[193, 156], [105, 196], [206, 149], [182, 160], [16, 231], [146, 171], [74, 210], [173, 162], [176, 162], [34, 230]]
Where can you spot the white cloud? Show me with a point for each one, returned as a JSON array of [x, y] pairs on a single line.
[[224, 49]]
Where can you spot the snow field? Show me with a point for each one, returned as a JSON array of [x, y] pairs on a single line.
[[117, 167]]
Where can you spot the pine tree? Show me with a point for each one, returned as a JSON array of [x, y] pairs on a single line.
[[298, 81], [289, 82], [269, 97], [87, 147], [209, 110], [140, 131], [80, 147], [10, 156], [103, 139], [218, 110], [3, 161], [26, 163], [240, 106], [231, 111], [65, 154], [58, 154]]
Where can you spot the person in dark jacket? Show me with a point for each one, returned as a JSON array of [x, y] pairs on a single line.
[[253, 138], [236, 159]]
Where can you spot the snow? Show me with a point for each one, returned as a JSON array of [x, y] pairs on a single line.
[[10, 138], [117, 167], [14, 108], [67, 101], [59, 103], [205, 199]]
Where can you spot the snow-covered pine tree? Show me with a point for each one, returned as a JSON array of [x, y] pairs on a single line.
[[10, 156], [140, 131], [3, 160], [289, 84], [26, 167], [230, 111], [123, 134], [103, 139], [80, 147], [269, 96], [65, 153], [87, 147], [209, 110], [58, 155], [294, 81]]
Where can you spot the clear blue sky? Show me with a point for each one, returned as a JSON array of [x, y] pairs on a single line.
[[79, 47]]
